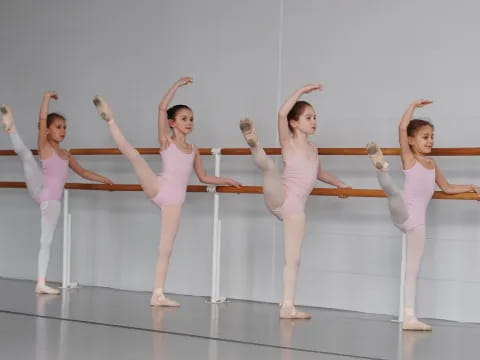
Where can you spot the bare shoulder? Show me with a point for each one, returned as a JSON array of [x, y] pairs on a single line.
[[314, 147], [195, 151], [427, 162], [430, 162], [66, 154]]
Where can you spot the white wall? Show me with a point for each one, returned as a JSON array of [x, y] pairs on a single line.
[[373, 57]]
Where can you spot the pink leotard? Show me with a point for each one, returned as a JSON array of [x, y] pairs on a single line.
[[54, 175], [417, 192], [173, 180], [299, 176]]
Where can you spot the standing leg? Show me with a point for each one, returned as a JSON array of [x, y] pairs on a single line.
[[146, 177], [149, 183], [169, 226], [294, 231], [415, 237], [33, 174], [415, 245], [294, 226], [272, 181], [50, 211]]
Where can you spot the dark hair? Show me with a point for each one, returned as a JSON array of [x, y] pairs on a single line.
[[296, 111], [415, 124], [172, 111], [52, 117]]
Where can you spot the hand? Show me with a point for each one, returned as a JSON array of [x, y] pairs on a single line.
[[107, 181], [311, 87], [343, 186], [50, 95], [476, 188], [421, 103], [232, 182], [184, 81]]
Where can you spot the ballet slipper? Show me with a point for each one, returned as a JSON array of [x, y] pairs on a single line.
[[44, 289], [416, 325], [411, 322], [376, 156], [248, 131], [7, 119], [159, 299], [290, 312], [103, 108]]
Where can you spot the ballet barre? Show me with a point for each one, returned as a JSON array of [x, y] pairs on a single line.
[[363, 193], [462, 151], [215, 296], [106, 151]]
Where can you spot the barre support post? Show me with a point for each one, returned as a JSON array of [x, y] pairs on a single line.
[[216, 240], [67, 244]]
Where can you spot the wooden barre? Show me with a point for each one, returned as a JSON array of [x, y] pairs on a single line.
[[104, 187], [467, 151], [107, 151], [463, 151], [369, 193]]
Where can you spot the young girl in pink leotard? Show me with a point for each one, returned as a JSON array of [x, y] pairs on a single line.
[[285, 196], [408, 208], [168, 189], [45, 185]]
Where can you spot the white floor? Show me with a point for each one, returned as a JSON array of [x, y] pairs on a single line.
[[98, 323]]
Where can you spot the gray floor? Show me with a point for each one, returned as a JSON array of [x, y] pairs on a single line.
[[99, 323]]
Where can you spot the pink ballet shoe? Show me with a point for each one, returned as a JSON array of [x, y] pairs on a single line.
[[376, 156], [7, 119], [248, 131], [44, 289], [162, 300], [290, 312], [416, 325], [103, 108]]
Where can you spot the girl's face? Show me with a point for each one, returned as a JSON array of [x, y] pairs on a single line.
[[183, 121], [306, 123], [422, 141], [57, 130]]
